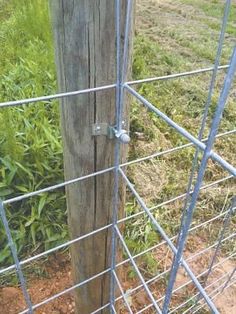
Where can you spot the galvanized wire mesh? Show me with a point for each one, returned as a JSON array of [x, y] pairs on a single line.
[[205, 292]]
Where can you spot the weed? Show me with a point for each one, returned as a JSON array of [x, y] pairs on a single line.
[[169, 41], [31, 149]]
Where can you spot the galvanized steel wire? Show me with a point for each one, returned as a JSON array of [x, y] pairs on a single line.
[[162, 304]]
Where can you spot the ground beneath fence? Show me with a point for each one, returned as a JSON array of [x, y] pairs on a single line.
[[169, 24], [56, 277]]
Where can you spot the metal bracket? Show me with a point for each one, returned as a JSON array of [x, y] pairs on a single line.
[[111, 132], [102, 129]]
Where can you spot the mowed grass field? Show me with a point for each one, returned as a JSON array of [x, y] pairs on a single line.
[[170, 37]]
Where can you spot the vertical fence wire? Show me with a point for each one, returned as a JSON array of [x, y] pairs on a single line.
[[209, 97], [189, 213], [145, 286], [124, 296], [226, 223], [213, 294], [207, 105], [121, 73], [15, 258], [191, 196], [226, 165], [116, 155], [228, 280]]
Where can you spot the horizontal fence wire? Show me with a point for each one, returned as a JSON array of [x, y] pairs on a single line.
[[150, 281], [123, 294], [155, 278], [186, 284], [213, 295], [204, 145], [57, 295], [225, 226], [160, 230], [189, 208], [176, 75], [137, 288], [91, 175], [194, 296], [104, 88], [64, 245], [101, 229], [92, 278], [154, 303], [140, 286], [182, 131], [120, 297]]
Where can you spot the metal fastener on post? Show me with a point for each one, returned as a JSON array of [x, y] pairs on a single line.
[[110, 131], [122, 136]]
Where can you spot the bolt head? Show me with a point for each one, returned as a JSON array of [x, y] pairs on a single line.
[[124, 138]]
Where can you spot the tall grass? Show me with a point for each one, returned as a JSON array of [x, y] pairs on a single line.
[[30, 150]]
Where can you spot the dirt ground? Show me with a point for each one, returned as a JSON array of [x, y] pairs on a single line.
[[57, 271], [57, 277]]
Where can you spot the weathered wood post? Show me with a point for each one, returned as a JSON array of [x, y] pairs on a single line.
[[85, 48]]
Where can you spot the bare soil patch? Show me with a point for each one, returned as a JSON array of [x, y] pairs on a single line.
[[57, 278]]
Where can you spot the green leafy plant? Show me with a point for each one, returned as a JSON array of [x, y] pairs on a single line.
[[31, 148]]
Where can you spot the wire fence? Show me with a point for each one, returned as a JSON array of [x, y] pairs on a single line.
[[205, 291]]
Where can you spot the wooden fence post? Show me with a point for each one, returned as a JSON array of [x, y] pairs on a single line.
[[85, 49]]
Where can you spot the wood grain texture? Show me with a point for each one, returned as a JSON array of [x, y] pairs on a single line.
[[85, 45]]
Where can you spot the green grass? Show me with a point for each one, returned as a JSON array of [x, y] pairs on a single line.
[[169, 38], [172, 38], [31, 150], [212, 8]]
